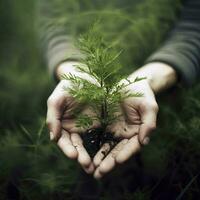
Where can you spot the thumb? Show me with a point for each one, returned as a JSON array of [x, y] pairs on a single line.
[[55, 107], [148, 118], [53, 119]]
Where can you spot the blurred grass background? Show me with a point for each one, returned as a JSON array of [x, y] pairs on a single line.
[[33, 168]]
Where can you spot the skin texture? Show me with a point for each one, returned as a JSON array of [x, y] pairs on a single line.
[[137, 123], [62, 126], [135, 126]]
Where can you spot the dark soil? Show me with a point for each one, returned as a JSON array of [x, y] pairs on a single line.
[[93, 140]]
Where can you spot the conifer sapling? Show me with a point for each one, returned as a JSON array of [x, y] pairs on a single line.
[[104, 95]]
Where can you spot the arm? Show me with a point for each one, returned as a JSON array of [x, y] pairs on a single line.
[[178, 58], [181, 50], [61, 56], [56, 37], [160, 76]]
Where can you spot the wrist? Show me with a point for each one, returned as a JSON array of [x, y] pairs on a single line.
[[70, 67], [160, 76], [66, 68]]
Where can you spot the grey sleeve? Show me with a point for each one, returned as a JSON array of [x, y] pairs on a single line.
[[182, 47], [55, 39]]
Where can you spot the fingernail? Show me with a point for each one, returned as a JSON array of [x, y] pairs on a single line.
[[146, 140], [51, 136]]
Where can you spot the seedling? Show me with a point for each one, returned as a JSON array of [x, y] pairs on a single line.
[[104, 94]]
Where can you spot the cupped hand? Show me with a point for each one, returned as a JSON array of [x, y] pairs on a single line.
[[134, 128], [139, 116], [62, 124]]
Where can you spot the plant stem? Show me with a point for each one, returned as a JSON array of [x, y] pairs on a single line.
[[104, 108]]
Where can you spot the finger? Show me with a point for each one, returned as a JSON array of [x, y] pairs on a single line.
[[131, 147], [101, 154], [55, 106], [53, 120], [66, 145], [83, 157], [97, 174], [148, 117], [90, 169], [109, 162]]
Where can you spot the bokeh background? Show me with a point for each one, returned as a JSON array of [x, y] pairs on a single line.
[[33, 168]]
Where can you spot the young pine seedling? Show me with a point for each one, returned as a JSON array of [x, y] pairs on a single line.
[[103, 95]]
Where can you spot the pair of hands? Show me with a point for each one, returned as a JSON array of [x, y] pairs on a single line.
[[134, 128]]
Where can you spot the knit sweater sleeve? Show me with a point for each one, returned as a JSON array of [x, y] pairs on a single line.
[[55, 38], [182, 47]]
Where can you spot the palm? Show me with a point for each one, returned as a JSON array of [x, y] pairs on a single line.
[[129, 123], [138, 119]]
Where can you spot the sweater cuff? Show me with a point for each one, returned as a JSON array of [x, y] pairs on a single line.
[[61, 53]]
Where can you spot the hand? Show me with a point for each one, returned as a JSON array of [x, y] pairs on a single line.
[[61, 122], [134, 128], [139, 116]]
